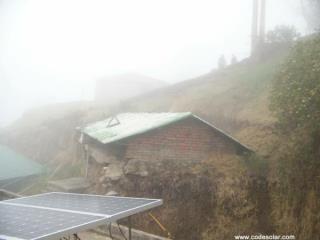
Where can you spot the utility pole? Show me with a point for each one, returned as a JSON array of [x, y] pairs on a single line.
[[258, 25], [254, 26], [262, 21]]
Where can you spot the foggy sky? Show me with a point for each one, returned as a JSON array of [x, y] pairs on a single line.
[[53, 51]]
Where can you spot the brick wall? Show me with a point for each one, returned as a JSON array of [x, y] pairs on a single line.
[[185, 140]]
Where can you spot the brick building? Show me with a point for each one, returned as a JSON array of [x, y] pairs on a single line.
[[123, 143]]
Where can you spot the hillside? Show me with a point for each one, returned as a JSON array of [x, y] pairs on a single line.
[[234, 99], [121, 87]]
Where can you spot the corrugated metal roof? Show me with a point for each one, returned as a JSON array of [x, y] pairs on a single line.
[[129, 124], [14, 165]]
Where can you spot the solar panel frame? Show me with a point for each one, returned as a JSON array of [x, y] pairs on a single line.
[[105, 218]]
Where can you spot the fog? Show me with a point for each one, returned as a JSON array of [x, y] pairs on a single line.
[[53, 51]]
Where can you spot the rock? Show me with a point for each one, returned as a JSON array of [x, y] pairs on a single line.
[[101, 157], [101, 179], [136, 167], [113, 172], [112, 193], [75, 185]]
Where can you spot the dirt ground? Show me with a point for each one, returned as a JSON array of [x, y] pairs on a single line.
[[90, 235]]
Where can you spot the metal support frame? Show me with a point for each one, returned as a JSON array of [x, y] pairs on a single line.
[[129, 227]]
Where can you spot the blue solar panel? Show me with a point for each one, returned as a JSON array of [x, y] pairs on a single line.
[[94, 204], [54, 215], [36, 223]]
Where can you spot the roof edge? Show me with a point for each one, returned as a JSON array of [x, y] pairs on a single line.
[[223, 133]]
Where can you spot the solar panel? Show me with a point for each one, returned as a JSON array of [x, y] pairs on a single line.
[[35, 223], [46, 215], [84, 203]]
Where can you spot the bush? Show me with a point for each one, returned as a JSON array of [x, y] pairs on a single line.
[[295, 100], [295, 97], [282, 34]]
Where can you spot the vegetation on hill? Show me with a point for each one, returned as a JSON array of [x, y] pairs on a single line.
[[295, 100]]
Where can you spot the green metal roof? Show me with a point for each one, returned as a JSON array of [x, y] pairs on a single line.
[[129, 124], [126, 125], [14, 165]]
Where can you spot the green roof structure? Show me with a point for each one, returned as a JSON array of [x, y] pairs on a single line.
[[129, 124], [14, 165], [125, 125]]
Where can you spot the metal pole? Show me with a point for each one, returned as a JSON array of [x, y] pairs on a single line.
[[262, 21], [129, 226], [86, 149], [254, 26]]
